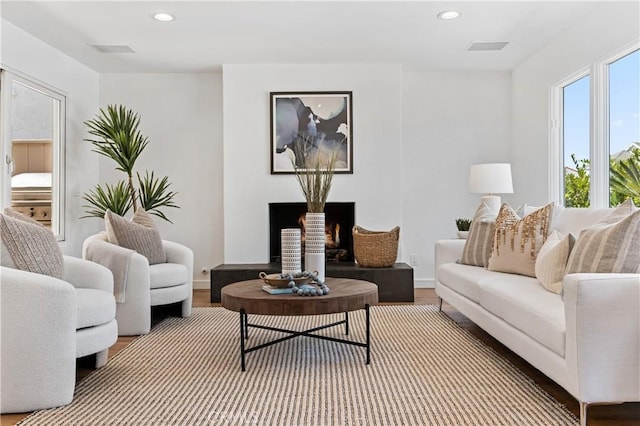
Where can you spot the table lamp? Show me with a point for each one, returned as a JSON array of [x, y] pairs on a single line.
[[491, 179]]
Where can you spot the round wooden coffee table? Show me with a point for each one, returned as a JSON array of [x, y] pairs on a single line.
[[247, 297]]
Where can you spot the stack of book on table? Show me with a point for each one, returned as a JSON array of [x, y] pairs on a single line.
[[277, 290]]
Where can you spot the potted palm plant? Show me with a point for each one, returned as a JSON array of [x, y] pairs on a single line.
[[116, 136]]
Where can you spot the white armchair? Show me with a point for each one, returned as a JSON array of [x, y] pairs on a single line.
[[46, 324], [150, 285]]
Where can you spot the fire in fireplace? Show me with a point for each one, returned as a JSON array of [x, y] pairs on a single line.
[[339, 221]]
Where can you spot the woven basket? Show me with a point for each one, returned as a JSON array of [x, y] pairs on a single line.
[[375, 249]]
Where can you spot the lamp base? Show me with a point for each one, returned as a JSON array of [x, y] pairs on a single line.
[[493, 201]]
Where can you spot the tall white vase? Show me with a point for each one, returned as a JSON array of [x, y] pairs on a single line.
[[291, 251], [314, 245]]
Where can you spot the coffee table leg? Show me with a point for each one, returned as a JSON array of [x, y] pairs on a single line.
[[367, 320], [346, 323], [243, 321], [246, 325]]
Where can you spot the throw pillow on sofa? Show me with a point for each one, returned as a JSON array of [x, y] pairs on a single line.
[[611, 245], [551, 262], [516, 242], [29, 246], [139, 234], [477, 247], [623, 210]]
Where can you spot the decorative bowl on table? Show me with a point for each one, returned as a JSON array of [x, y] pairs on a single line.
[[277, 280]]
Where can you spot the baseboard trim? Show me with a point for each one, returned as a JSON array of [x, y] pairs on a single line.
[[424, 283], [201, 284]]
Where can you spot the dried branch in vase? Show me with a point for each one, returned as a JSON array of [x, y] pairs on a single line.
[[314, 168]]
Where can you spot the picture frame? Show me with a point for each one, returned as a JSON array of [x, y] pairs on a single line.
[[316, 121]]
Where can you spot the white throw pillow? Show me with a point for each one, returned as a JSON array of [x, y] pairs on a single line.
[[551, 262]]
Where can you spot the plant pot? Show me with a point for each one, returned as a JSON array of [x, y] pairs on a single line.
[[462, 234]]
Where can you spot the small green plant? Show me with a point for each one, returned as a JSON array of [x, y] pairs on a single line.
[[463, 224]]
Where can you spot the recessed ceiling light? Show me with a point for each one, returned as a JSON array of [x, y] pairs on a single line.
[[163, 17], [449, 14]]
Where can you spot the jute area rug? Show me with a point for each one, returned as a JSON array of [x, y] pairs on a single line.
[[425, 370]]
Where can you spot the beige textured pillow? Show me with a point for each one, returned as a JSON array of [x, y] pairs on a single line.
[[516, 242], [139, 234], [17, 215], [622, 211], [551, 262], [30, 247], [608, 247], [5, 256], [477, 248]]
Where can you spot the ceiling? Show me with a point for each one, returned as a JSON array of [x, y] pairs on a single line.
[[207, 34]]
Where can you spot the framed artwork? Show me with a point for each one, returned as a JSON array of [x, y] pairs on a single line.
[[312, 125]]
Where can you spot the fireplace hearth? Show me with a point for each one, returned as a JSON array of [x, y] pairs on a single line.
[[339, 222]]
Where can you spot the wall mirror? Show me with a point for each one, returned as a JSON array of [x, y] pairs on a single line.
[[33, 140]]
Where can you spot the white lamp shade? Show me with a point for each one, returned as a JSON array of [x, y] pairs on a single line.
[[492, 178]]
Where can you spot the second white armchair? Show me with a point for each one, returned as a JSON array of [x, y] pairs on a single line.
[[146, 285]]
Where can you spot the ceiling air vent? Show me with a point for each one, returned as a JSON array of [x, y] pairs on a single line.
[[487, 45], [113, 48]]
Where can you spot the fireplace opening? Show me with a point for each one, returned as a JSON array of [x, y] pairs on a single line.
[[339, 221]]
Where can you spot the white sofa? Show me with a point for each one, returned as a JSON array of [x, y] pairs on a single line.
[[150, 285], [587, 340], [46, 324]]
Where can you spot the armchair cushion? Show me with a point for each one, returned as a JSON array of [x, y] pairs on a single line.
[[30, 247], [139, 234], [168, 275], [95, 307]]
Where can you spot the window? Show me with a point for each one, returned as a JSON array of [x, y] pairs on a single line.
[[624, 128], [33, 143], [575, 134], [595, 133]]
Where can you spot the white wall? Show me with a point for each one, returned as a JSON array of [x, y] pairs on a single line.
[[605, 29], [375, 185], [28, 55], [450, 120], [181, 114]]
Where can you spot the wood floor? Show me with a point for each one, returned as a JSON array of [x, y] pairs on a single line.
[[604, 415]]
